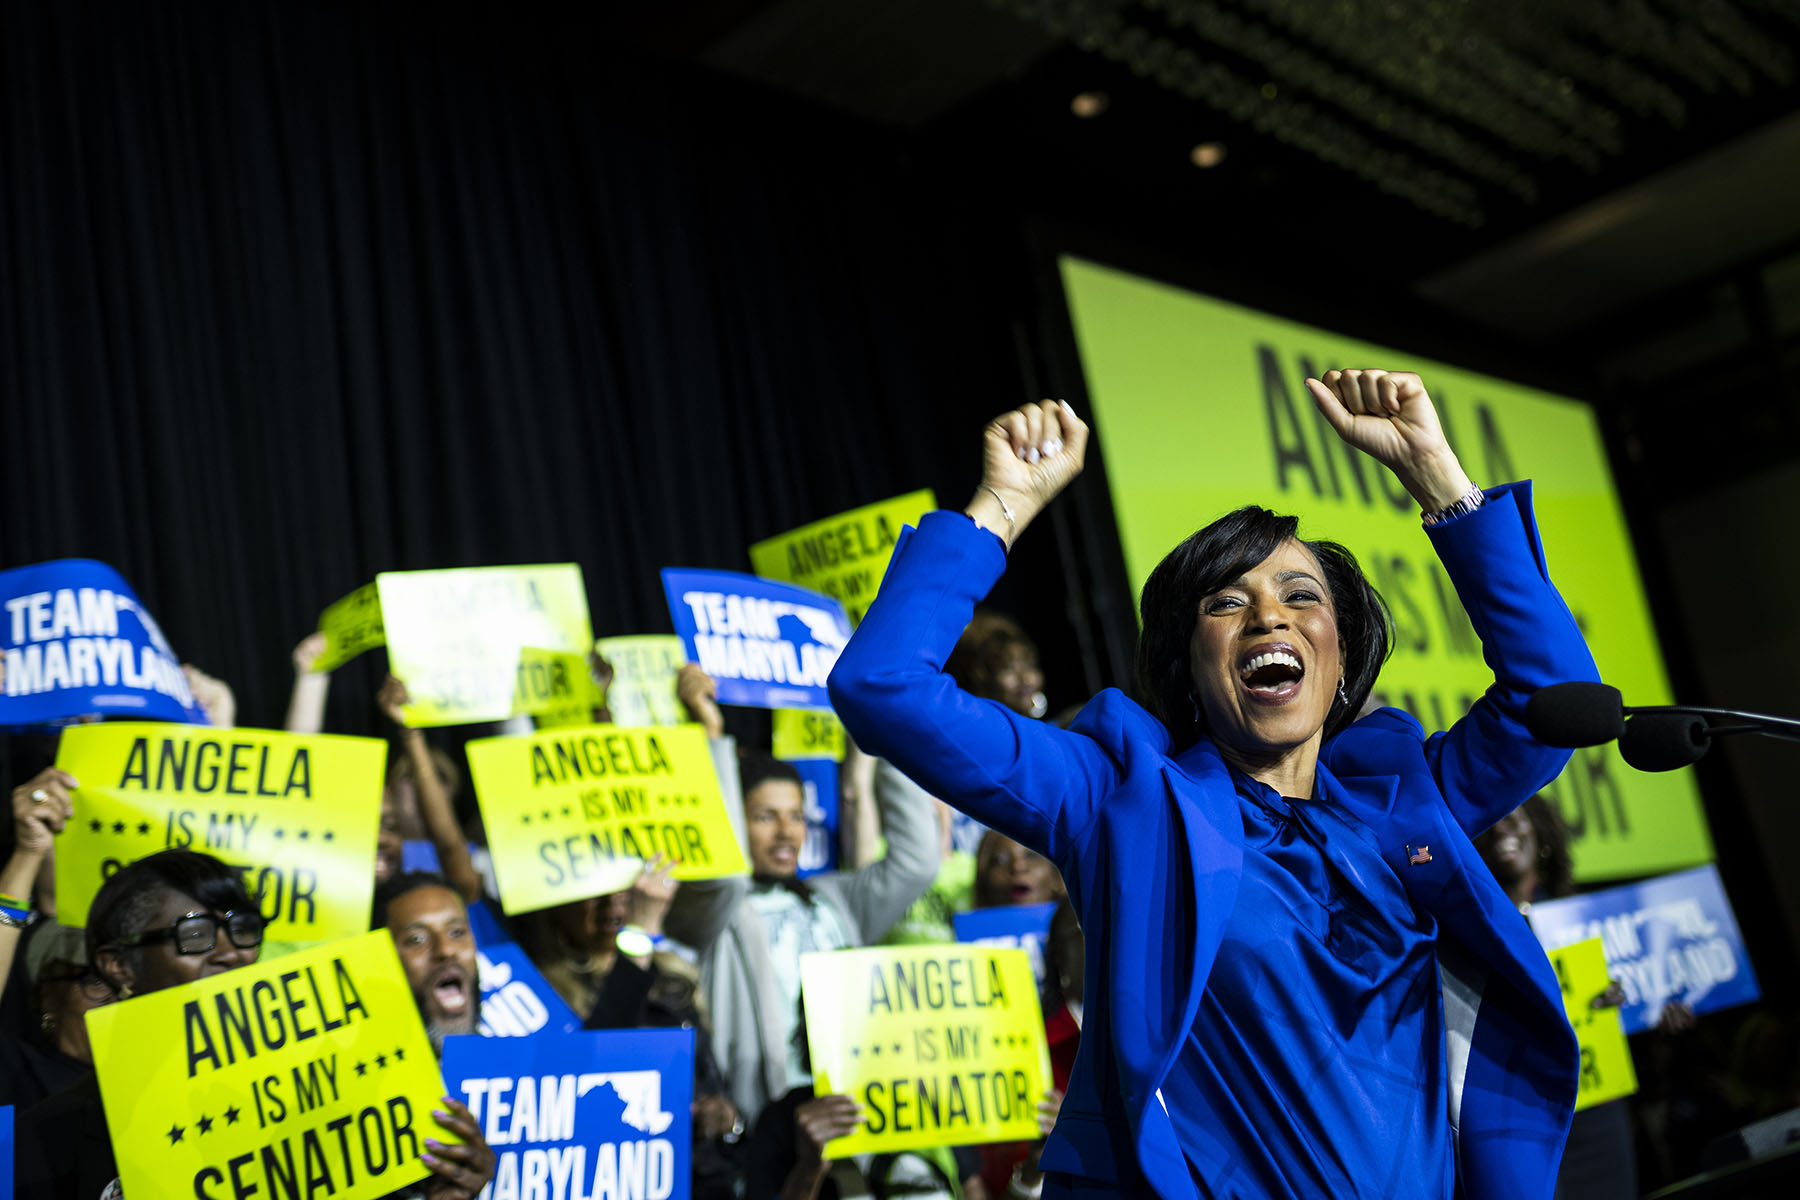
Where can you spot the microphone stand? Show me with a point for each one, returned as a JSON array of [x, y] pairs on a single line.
[[1784, 728]]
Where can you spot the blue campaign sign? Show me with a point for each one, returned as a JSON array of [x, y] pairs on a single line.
[[819, 780], [77, 643], [766, 644], [516, 999], [592, 1114], [1666, 939], [6, 1152], [1014, 927]]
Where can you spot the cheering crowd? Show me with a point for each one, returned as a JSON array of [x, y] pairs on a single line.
[[720, 957]]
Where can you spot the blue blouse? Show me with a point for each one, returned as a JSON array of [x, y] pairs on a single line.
[[1326, 988]]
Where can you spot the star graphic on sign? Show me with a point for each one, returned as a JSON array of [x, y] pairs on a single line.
[[896, 1047], [875, 1050], [381, 1061], [524, 818], [305, 833], [565, 810], [231, 1115], [281, 833], [143, 827], [328, 835], [96, 825], [855, 1052], [399, 1054], [118, 827], [362, 1068], [175, 1132], [205, 1123], [546, 814]]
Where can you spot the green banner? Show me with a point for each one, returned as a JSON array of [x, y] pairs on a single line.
[[1201, 406]]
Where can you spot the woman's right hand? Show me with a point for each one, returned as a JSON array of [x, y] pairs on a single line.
[[1027, 456], [41, 806]]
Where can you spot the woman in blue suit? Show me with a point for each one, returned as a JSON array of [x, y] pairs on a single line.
[[1301, 980]]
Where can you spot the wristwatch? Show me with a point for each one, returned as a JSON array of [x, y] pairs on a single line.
[[638, 942]]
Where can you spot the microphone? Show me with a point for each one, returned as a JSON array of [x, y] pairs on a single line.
[[1664, 741], [1656, 738], [1578, 713]]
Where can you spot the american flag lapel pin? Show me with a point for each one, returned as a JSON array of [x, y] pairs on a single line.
[[1418, 857]]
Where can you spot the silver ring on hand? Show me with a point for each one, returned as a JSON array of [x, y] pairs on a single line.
[[40, 796]]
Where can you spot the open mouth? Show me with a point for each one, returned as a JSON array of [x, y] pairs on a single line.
[[450, 990], [1021, 890], [1271, 674]]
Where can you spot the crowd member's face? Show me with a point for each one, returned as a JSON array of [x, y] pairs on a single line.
[[70, 992], [387, 840], [1510, 848], [1279, 613], [1008, 873], [1018, 681], [160, 964], [593, 924], [430, 928], [775, 819]]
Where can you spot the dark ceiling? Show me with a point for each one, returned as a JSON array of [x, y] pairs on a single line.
[[1479, 150]]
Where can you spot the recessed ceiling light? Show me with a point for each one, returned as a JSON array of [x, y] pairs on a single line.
[[1089, 104], [1207, 154]]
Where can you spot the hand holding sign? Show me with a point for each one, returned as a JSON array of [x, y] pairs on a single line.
[[699, 695], [459, 1169], [821, 1120], [41, 806]]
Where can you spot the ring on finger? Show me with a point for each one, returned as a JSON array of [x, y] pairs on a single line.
[[40, 796]]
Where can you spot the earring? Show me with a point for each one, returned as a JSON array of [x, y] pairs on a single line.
[[47, 1023], [1343, 696], [1196, 705]]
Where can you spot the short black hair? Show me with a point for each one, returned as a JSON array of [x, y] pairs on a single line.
[[125, 901], [396, 886], [1212, 558], [756, 768]]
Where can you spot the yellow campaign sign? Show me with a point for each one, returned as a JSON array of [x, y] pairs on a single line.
[[555, 687], [843, 556], [643, 686], [297, 814], [941, 1045], [572, 813], [1606, 1070], [350, 626], [457, 637], [804, 733], [309, 1075], [1200, 407]]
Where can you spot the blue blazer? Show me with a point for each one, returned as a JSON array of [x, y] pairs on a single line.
[[1151, 846]]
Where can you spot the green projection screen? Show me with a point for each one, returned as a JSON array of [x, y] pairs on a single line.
[[1201, 406]]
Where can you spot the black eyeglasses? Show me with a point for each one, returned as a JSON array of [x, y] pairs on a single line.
[[198, 932], [87, 981]]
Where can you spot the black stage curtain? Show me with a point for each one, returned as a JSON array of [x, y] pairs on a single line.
[[293, 293]]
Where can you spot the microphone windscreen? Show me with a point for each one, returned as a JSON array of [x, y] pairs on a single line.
[[1577, 713], [1656, 741]]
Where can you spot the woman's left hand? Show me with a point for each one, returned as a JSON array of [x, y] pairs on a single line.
[[1388, 416]]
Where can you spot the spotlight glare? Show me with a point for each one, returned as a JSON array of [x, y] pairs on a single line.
[[1207, 154], [1089, 104]]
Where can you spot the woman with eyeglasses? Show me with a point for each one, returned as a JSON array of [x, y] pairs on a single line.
[[165, 920]]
